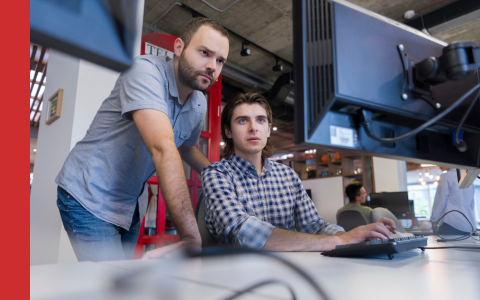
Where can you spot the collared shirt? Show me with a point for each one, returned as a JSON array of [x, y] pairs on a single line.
[[243, 208], [108, 169], [364, 210], [450, 197]]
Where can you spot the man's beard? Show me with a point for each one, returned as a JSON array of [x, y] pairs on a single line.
[[189, 76]]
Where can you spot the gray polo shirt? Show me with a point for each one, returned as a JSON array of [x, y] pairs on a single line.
[[108, 169]]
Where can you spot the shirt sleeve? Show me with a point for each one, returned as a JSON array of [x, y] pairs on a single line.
[[440, 201], [307, 219], [225, 216], [143, 86]]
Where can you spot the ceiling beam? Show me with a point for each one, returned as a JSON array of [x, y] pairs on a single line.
[[444, 14]]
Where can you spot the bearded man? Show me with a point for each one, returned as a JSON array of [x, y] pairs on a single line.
[[150, 122]]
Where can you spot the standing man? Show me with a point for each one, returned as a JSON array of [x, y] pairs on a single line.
[[255, 202], [150, 122], [357, 196], [449, 197]]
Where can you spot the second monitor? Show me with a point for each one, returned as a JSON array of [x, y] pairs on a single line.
[[396, 202]]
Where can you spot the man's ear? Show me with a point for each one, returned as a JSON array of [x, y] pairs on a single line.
[[178, 47], [228, 133]]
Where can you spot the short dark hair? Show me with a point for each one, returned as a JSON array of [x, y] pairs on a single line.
[[194, 24], [353, 190], [226, 119]]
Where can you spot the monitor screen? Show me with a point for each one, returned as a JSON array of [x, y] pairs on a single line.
[[396, 202]]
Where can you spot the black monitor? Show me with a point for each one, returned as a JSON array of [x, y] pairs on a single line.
[[100, 31], [396, 202], [349, 60]]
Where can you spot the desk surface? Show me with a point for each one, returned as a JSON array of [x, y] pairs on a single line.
[[433, 274]]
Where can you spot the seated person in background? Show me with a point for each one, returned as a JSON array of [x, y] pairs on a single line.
[[255, 202], [357, 195], [450, 197]]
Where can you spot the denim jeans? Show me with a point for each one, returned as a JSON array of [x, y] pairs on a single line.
[[93, 239]]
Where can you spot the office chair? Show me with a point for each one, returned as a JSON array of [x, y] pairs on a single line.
[[351, 219], [381, 212], [207, 239]]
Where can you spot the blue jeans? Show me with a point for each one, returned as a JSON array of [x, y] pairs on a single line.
[[93, 239]]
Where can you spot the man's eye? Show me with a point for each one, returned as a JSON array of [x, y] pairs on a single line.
[[204, 52], [242, 121], [220, 62], [261, 120]]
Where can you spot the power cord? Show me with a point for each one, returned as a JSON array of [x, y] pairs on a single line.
[[460, 144], [366, 120], [263, 283], [222, 251], [461, 238]]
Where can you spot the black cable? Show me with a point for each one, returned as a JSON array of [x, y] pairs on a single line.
[[451, 247], [461, 238], [366, 117], [460, 144], [221, 251], [263, 283]]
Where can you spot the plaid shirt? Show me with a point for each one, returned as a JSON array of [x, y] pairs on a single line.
[[243, 208]]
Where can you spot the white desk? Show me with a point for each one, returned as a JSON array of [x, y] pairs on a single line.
[[434, 274]]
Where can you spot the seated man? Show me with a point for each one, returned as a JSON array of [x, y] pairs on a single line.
[[254, 202], [357, 195]]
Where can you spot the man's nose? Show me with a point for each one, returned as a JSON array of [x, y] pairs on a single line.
[[212, 65]]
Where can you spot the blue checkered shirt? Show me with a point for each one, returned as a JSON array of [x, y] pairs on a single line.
[[243, 208]]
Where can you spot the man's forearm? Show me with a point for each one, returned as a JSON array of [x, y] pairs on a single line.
[[194, 158], [176, 195], [285, 240]]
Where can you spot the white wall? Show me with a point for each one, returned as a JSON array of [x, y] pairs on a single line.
[[327, 195], [85, 86], [390, 175]]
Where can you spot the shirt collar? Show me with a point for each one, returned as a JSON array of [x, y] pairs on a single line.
[[246, 167], [192, 101]]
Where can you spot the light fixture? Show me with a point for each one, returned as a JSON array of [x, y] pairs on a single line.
[[245, 51], [222, 143], [35, 150], [435, 183], [427, 174], [437, 177], [409, 14], [277, 67], [420, 179], [274, 128], [431, 176], [424, 183], [420, 174], [444, 171], [427, 165]]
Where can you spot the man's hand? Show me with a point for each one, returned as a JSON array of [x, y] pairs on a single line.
[[379, 230], [170, 250]]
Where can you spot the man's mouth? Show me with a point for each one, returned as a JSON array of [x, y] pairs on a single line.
[[254, 138], [206, 77]]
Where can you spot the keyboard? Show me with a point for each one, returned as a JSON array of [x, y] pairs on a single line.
[[397, 244]]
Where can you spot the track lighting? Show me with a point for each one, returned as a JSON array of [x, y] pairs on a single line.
[[277, 67], [245, 51]]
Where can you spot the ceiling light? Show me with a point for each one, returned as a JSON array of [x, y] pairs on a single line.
[[427, 174], [277, 67], [435, 183], [409, 14], [437, 177], [222, 143], [424, 183], [35, 150], [245, 51], [444, 171], [274, 128], [431, 176], [427, 165]]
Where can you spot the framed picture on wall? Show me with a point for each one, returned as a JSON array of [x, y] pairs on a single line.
[[54, 107]]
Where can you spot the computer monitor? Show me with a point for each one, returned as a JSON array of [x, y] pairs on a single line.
[[347, 59], [100, 31], [396, 202]]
